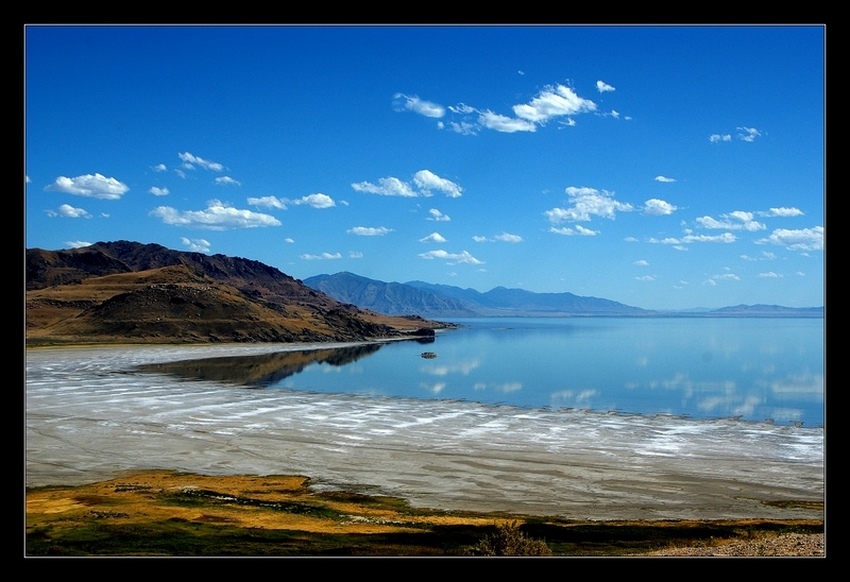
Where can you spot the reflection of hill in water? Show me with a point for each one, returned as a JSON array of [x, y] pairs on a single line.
[[260, 370]]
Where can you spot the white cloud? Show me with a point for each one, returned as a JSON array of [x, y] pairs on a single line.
[[577, 231], [68, 211], [664, 179], [156, 191], [737, 220], [197, 245], [427, 180], [322, 257], [726, 237], [90, 185], [770, 275], [226, 180], [806, 239], [645, 278], [783, 212], [656, 207], [314, 200], [504, 237], [190, 161], [748, 133], [355, 254], [389, 186], [417, 105], [434, 237], [452, 258], [603, 87], [268, 202], [588, 202], [369, 230], [504, 124], [641, 263], [289, 240], [717, 138], [159, 168], [217, 216], [317, 200], [438, 216], [552, 102]]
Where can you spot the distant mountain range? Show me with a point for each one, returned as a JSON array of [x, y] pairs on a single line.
[[445, 301]]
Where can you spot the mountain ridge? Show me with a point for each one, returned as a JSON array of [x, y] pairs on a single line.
[[427, 300]]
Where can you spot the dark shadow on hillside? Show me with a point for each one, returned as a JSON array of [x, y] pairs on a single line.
[[259, 371]]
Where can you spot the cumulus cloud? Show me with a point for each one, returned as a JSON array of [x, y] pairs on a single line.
[[322, 257], [770, 275], [452, 258], [434, 237], [717, 138], [806, 239], [656, 207], [504, 237], [725, 238], [216, 216], [578, 230], [505, 124], [197, 245], [156, 191], [641, 263], [402, 102], [748, 133], [389, 186], [664, 179], [77, 244], [425, 182], [315, 200], [587, 203], [268, 202], [369, 230], [159, 168], [226, 181], [190, 161], [737, 220], [438, 216], [782, 212], [90, 185], [553, 101], [604, 87], [68, 211]]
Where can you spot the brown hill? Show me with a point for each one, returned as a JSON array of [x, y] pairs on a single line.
[[112, 292]]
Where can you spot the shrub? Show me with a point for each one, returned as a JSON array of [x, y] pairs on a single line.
[[508, 540]]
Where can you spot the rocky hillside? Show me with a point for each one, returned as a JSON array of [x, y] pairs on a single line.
[[146, 293]]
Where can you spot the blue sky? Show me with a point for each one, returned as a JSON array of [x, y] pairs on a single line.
[[665, 167]]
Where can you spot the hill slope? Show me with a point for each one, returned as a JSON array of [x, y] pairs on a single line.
[[131, 292]]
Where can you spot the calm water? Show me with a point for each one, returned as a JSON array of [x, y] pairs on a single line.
[[754, 369]]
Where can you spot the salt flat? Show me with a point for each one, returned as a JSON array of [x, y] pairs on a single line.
[[90, 416]]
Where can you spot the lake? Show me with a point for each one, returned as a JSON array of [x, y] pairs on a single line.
[[584, 418], [752, 369]]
